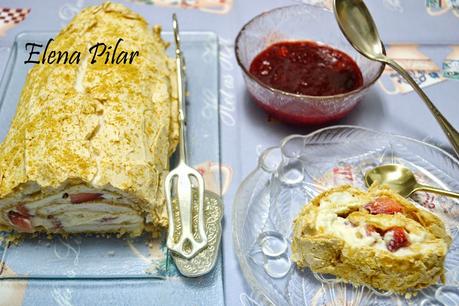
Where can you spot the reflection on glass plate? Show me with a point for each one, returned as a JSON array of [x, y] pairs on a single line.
[[288, 176]]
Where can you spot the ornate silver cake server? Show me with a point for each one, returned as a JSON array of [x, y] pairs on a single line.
[[205, 260], [184, 185]]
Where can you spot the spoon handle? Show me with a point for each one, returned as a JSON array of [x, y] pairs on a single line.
[[450, 131], [444, 192]]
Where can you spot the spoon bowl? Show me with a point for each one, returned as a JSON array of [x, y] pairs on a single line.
[[401, 180], [398, 178], [356, 23]]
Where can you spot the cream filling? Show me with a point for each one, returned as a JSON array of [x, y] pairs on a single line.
[[58, 198], [329, 222], [57, 209], [81, 219], [56, 212]]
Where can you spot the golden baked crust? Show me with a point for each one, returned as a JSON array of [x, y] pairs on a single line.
[[105, 127], [330, 236]]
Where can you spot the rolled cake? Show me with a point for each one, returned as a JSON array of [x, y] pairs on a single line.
[[89, 146], [377, 238]]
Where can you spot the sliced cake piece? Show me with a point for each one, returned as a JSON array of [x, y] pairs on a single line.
[[377, 238]]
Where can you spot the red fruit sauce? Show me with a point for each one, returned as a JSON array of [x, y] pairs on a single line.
[[307, 68]]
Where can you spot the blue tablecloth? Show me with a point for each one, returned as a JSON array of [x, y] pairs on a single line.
[[430, 34]]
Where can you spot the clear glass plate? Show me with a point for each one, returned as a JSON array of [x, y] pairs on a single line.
[[288, 176], [84, 257]]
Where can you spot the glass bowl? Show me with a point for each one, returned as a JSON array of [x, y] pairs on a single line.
[[290, 175], [300, 22]]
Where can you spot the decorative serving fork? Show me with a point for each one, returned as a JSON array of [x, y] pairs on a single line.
[[184, 186]]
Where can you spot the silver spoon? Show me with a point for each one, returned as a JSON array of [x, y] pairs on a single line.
[[358, 26]]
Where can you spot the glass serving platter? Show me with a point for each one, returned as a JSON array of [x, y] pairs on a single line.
[[93, 257], [289, 176]]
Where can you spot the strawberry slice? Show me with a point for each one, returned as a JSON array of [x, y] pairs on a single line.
[[396, 238], [77, 198], [20, 222], [384, 205]]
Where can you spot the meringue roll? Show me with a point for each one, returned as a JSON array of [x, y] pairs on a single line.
[[89, 146]]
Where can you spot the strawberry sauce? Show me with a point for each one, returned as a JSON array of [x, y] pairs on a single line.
[[307, 68]]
